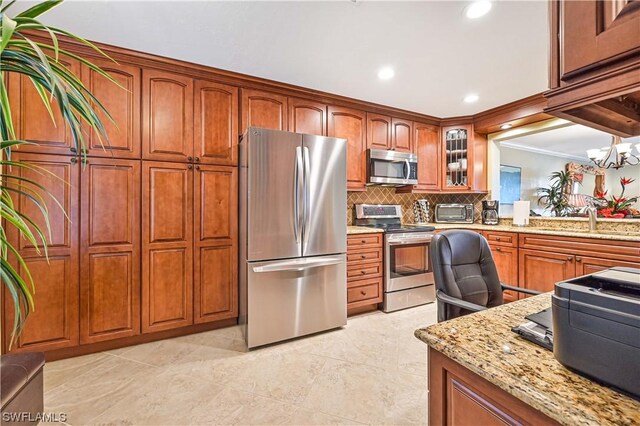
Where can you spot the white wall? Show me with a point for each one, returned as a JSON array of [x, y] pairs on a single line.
[[536, 169]]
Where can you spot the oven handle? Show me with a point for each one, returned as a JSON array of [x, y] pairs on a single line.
[[409, 241]]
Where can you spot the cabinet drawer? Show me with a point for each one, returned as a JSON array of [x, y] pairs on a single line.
[[364, 292], [360, 240], [366, 270], [501, 238], [355, 257], [628, 251]]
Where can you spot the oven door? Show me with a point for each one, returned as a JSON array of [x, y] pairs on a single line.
[[391, 168], [407, 263]]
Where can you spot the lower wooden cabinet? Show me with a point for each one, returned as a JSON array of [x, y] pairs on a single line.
[[364, 270], [590, 265], [540, 270], [506, 260], [110, 250], [54, 322]]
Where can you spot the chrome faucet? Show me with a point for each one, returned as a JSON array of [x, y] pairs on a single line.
[[593, 218]]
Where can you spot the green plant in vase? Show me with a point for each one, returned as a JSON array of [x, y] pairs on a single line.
[[39, 62], [617, 207], [554, 197]]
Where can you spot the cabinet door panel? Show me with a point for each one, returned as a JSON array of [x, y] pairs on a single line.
[[110, 242], [263, 109], [540, 270], [402, 135], [378, 131], [123, 103], [216, 123], [590, 265], [506, 260], [32, 121], [54, 323], [427, 146], [307, 117], [351, 125], [216, 229], [167, 116], [167, 246], [457, 152]]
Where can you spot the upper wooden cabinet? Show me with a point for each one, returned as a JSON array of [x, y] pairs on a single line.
[[307, 116], [54, 322], [595, 64], [263, 109], [402, 135], [110, 250], [167, 116], [216, 123], [378, 131], [457, 158], [427, 147], [351, 125], [31, 119], [122, 103]]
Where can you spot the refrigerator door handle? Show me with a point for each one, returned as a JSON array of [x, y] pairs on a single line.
[[307, 195], [298, 265], [297, 185]]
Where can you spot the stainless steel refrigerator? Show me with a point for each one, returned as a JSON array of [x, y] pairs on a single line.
[[293, 235]]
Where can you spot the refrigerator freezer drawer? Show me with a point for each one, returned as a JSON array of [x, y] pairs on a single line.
[[295, 297]]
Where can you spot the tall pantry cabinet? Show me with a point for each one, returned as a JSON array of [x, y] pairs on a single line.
[[150, 241]]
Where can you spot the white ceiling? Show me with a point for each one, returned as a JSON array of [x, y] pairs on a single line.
[[573, 140], [439, 55]]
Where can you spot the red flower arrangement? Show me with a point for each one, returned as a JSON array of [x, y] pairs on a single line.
[[617, 207]]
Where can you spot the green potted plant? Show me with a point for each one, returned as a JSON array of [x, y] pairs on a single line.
[[617, 207], [58, 87], [554, 197]]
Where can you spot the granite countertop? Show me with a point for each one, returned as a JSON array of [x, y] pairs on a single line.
[[629, 235], [530, 372], [362, 230]]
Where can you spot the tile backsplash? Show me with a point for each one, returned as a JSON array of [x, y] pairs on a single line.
[[387, 195]]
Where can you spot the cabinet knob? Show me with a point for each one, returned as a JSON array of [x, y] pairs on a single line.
[[363, 241], [197, 167], [497, 238], [197, 159], [578, 259], [73, 149], [73, 160], [189, 158], [362, 292], [190, 167], [498, 248], [363, 256], [363, 272], [569, 257]]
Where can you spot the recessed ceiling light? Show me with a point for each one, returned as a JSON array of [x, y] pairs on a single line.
[[478, 8], [471, 98], [506, 126], [386, 73]]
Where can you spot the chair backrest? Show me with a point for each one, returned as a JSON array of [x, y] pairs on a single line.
[[463, 268]]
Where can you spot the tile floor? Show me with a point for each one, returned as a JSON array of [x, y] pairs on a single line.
[[373, 371]]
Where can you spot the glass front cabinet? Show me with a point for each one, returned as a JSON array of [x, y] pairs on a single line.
[[457, 158]]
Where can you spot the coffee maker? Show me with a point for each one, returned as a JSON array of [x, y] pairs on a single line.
[[490, 212]]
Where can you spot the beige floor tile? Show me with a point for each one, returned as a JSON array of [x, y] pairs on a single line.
[[368, 395], [236, 407], [90, 394], [303, 416], [57, 373], [166, 399]]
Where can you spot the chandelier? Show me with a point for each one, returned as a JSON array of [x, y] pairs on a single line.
[[617, 155]]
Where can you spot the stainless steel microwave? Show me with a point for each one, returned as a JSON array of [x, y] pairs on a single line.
[[391, 168], [454, 213]]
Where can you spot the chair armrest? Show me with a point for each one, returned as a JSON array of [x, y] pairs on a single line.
[[442, 297], [519, 289]]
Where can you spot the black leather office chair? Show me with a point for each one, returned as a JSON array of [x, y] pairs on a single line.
[[465, 274]]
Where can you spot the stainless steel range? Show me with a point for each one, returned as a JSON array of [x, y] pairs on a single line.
[[408, 277]]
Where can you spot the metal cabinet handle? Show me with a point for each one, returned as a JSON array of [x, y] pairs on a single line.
[[189, 158], [73, 160], [569, 257], [190, 167], [497, 238], [362, 292], [363, 272], [578, 259], [73, 149], [197, 167], [197, 159], [498, 248], [363, 241], [363, 256]]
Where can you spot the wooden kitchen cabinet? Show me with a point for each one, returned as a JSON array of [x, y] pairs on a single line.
[[506, 260], [110, 250], [590, 265], [351, 125], [364, 271], [402, 135], [263, 109], [215, 269], [167, 116], [427, 146], [457, 158], [31, 119], [123, 103], [540, 270], [167, 245], [54, 322], [379, 131], [215, 111], [307, 116]]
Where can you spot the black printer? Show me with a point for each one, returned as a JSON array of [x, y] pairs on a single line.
[[596, 327]]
